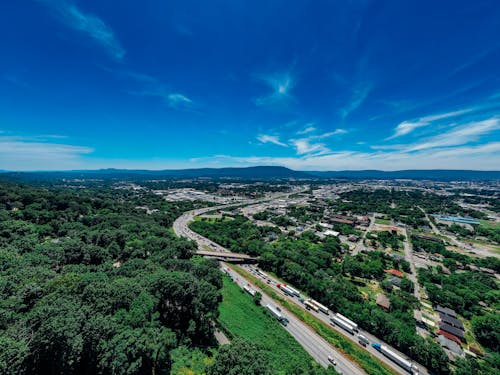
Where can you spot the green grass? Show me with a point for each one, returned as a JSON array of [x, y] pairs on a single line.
[[240, 317], [490, 224], [350, 350], [382, 221]]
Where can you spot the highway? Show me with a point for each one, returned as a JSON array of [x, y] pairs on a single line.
[[326, 318], [299, 330], [314, 344]]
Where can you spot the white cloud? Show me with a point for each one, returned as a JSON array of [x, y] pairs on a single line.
[[359, 95], [281, 85], [482, 157], [265, 138], [328, 134], [306, 130], [304, 146], [87, 24], [37, 153], [177, 100], [459, 135], [406, 127]]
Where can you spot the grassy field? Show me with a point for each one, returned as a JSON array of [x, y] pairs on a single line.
[[240, 317], [365, 360], [490, 224], [382, 221]]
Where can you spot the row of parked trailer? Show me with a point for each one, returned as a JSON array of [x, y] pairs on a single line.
[[339, 320]]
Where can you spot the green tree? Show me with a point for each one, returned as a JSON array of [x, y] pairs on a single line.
[[240, 358]]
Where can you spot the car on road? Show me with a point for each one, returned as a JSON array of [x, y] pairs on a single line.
[[332, 360]]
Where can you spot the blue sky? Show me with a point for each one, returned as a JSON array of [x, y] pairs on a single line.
[[311, 85]]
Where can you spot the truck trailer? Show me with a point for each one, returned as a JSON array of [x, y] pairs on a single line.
[[342, 324], [294, 291], [321, 307], [311, 306], [249, 290], [277, 314], [286, 290], [393, 356], [348, 321]]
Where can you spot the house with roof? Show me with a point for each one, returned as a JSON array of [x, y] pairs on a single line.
[[457, 332], [383, 302]]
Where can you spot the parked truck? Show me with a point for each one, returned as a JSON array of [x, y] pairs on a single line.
[[348, 321], [294, 291], [277, 314], [321, 307], [310, 306], [342, 324], [286, 290], [393, 356]]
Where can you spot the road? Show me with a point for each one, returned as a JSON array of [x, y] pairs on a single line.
[[314, 344], [181, 229], [326, 319], [409, 258], [360, 244]]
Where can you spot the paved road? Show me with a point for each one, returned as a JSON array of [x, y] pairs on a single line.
[[326, 318], [181, 229], [314, 344]]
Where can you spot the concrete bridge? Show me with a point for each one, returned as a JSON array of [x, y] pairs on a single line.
[[227, 257]]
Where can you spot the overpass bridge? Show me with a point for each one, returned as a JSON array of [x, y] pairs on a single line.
[[227, 256]]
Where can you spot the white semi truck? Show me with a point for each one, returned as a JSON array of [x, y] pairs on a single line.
[[321, 307], [401, 361], [348, 321], [276, 312], [342, 324]]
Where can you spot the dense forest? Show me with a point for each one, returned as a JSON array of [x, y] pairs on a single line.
[[93, 281]]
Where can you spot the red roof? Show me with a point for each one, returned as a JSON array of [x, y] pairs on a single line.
[[395, 272], [450, 336]]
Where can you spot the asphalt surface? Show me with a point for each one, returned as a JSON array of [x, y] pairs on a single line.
[[312, 343]]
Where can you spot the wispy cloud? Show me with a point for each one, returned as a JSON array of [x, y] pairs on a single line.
[[328, 134], [459, 135], [305, 146], [88, 24], [359, 95], [306, 130], [177, 101], [281, 85], [484, 157], [407, 127], [39, 152], [149, 85], [309, 141], [266, 138]]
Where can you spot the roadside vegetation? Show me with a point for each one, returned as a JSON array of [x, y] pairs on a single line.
[[362, 358], [241, 318], [319, 268]]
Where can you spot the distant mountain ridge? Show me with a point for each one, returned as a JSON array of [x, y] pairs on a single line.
[[415, 174], [265, 173]]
